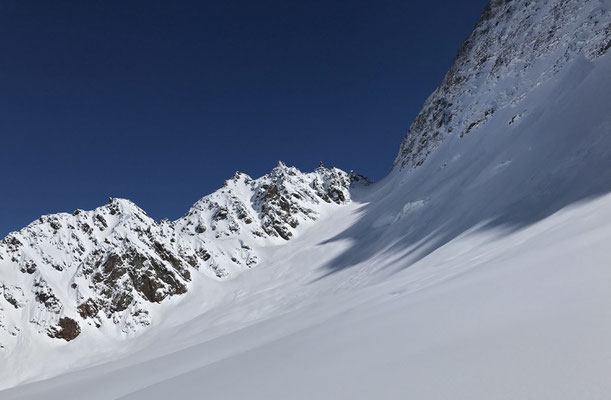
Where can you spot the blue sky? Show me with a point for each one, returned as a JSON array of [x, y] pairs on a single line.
[[160, 102]]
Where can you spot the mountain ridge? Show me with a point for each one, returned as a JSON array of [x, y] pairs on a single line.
[[105, 266]]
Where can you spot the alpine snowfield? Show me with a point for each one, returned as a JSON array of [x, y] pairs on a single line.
[[479, 268], [488, 315]]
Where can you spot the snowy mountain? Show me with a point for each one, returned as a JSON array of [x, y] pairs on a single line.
[[515, 47], [107, 266], [477, 269]]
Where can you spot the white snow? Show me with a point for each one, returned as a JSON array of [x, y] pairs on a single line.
[[484, 273], [488, 315]]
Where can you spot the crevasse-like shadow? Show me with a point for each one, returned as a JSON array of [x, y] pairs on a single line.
[[501, 176]]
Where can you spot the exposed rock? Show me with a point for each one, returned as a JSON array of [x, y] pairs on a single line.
[[67, 329], [88, 309]]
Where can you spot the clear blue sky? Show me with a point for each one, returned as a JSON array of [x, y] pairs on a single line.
[[160, 102]]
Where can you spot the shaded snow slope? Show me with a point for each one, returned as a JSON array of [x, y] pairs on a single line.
[[504, 175]]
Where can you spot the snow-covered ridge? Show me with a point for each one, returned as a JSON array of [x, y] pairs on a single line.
[[269, 207], [515, 47], [68, 272]]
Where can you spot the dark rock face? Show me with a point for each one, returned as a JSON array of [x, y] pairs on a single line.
[[88, 309], [67, 329], [46, 297], [290, 196], [121, 279], [12, 294], [507, 47], [152, 280]]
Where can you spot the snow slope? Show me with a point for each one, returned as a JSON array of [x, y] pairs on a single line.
[[489, 315], [478, 270]]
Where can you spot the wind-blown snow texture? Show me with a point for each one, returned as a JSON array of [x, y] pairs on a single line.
[[478, 269]]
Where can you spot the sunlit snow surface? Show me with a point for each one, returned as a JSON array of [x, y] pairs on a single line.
[[483, 274]]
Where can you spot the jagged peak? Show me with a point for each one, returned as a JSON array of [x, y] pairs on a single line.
[[281, 170], [237, 178], [322, 169], [123, 206], [105, 217]]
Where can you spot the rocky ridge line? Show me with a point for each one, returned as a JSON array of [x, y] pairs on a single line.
[[66, 273]]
